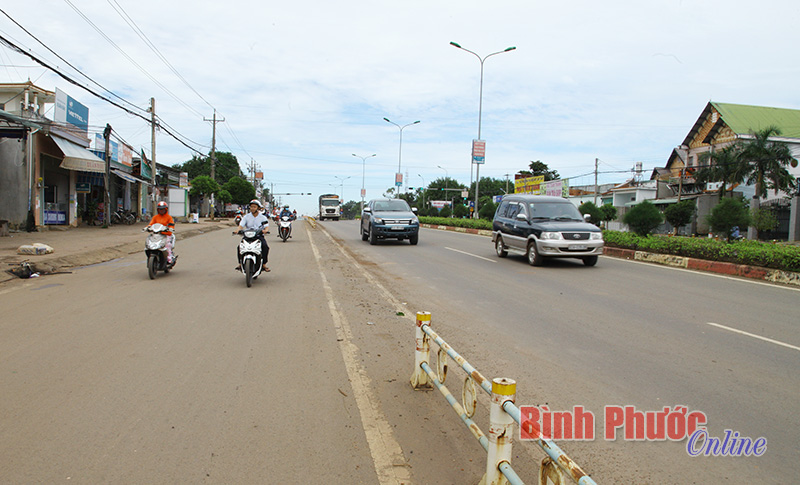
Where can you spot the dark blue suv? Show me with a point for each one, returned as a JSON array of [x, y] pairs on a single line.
[[389, 219]]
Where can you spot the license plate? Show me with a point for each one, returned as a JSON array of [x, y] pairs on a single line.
[[397, 228], [577, 247]]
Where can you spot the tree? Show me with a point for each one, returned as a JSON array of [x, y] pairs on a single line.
[[540, 168], [241, 190], [224, 197], [594, 212], [726, 215], [489, 188], [460, 210], [350, 209], [203, 186], [225, 167], [764, 162], [445, 211], [609, 213], [643, 218], [680, 214], [487, 210], [764, 219], [721, 166]]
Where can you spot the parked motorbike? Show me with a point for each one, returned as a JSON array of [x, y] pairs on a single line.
[[156, 249], [250, 257], [285, 228]]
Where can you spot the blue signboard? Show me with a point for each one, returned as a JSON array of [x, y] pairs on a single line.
[[77, 114]]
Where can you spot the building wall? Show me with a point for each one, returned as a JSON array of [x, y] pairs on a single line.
[[13, 181]]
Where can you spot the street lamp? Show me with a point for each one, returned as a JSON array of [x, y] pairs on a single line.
[[363, 173], [480, 112], [446, 180], [424, 188], [397, 181], [342, 180]]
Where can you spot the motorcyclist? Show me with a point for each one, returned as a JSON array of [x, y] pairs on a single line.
[[285, 212], [162, 217], [255, 219]]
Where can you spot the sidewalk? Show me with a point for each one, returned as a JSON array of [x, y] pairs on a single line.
[[85, 245]]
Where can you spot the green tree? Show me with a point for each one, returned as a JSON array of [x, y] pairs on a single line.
[[224, 196], [680, 214], [225, 167], [764, 219], [460, 210], [721, 166], [350, 209], [241, 190], [609, 213], [540, 168], [487, 210], [643, 218], [203, 186], [729, 213], [596, 215], [445, 211]]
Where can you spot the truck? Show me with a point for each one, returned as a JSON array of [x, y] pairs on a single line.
[[330, 207]]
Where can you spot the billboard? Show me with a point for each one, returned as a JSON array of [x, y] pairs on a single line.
[[69, 110], [538, 186]]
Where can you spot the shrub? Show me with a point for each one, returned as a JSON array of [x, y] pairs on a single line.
[[594, 212], [445, 211], [680, 214], [643, 218], [728, 214], [609, 212], [446, 221]]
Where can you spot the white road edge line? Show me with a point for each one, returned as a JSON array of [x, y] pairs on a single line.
[[766, 339], [387, 455], [470, 254]]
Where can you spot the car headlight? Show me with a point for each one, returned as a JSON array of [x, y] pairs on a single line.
[[596, 236], [550, 235], [414, 221], [377, 220]]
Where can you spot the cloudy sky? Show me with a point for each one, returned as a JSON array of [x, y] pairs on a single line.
[[303, 85]]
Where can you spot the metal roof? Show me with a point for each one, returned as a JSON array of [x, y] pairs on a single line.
[[744, 119]]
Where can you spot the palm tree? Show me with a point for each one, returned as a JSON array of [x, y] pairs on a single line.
[[721, 166], [763, 162]]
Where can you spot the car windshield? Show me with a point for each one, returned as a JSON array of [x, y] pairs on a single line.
[[396, 205], [330, 202], [564, 211]]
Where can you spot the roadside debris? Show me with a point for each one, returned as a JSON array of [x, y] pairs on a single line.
[[34, 249]]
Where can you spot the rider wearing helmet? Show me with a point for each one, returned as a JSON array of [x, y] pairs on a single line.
[[162, 217], [256, 220]]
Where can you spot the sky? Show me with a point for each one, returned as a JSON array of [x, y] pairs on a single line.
[[304, 85]]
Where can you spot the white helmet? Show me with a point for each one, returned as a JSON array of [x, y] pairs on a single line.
[[256, 202]]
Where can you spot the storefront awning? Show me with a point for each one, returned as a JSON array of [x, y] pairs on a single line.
[[130, 178], [78, 158]]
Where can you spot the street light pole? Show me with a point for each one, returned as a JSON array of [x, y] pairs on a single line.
[[363, 173], [480, 113], [400, 152], [342, 180], [424, 188], [446, 180]]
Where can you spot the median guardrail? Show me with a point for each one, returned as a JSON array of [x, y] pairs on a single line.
[[503, 412]]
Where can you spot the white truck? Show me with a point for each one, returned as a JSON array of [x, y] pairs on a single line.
[[330, 207]]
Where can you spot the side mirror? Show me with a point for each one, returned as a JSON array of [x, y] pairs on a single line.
[[367, 209], [521, 217], [414, 210], [587, 217]]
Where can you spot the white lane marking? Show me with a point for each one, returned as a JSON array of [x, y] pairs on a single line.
[[766, 339], [473, 255], [387, 455], [705, 273]]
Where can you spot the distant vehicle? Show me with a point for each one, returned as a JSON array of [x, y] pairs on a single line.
[[330, 207], [389, 219], [544, 227]]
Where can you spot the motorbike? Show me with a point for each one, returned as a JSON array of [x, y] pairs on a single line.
[[156, 250], [285, 228], [238, 218], [250, 257]]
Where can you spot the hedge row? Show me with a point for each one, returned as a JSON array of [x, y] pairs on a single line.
[[456, 222], [753, 253]]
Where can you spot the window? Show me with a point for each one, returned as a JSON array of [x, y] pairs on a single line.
[[503, 210]]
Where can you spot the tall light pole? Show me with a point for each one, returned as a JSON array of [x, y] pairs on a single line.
[[424, 188], [446, 181], [480, 113], [342, 181], [363, 173], [398, 177]]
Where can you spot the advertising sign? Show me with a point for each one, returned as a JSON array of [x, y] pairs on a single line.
[[537, 186], [398, 179], [478, 151], [68, 110]]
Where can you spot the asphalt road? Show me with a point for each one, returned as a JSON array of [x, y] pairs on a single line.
[[110, 377], [620, 333]]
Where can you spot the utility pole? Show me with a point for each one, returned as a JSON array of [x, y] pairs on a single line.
[[214, 122], [106, 179], [153, 153], [596, 161], [507, 175]]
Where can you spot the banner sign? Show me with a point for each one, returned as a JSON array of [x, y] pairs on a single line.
[[68, 110], [537, 186], [478, 151]]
